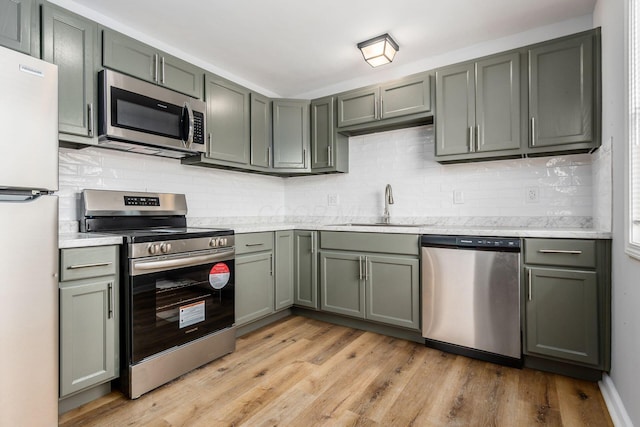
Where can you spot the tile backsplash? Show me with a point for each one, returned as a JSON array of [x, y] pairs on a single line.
[[562, 186]]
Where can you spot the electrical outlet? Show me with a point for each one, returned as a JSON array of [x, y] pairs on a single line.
[[531, 195], [332, 199], [458, 197]]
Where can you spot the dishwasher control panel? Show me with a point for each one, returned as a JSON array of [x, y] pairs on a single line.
[[500, 243]]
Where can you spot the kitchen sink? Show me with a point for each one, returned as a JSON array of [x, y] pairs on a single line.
[[379, 224]]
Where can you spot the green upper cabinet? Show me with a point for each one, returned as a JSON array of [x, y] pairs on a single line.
[[69, 41], [395, 104], [478, 106], [329, 149], [291, 135], [228, 120], [260, 131], [15, 24], [561, 93], [137, 59]]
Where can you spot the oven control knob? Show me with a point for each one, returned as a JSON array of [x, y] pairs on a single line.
[[213, 243], [223, 241], [153, 249], [165, 248]]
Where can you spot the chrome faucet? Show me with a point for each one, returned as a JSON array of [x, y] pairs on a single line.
[[388, 200]]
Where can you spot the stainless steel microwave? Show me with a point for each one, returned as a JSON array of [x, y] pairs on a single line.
[[144, 118]]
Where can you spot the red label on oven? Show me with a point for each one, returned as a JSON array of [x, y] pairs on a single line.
[[219, 275]]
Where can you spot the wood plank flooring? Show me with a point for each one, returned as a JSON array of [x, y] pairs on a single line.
[[303, 372]]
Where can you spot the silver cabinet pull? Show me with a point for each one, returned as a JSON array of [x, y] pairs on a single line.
[[90, 119], [313, 242], [110, 302], [559, 251], [375, 109], [360, 267], [529, 280], [477, 138], [155, 67], [253, 244], [162, 70], [271, 263], [269, 156], [533, 131], [329, 155], [97, 264], [366, 268], [304, 158], [471, 146], [381, 109]]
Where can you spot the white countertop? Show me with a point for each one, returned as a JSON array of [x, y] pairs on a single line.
[[77, 240], [82, 240]]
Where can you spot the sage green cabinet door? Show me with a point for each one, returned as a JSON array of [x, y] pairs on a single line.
[[137, 59], [408, 96], [323, 132], [284, 269], [228, 119], [291, 135], [306, 269], [129, 56], [68, 41], [359, 106], [254, 287], [393, 290], [179, 75], [342, 283], [455, 106], [87, 333], [260, 131], [498, 103], [15, 24], [561, 92], [562, 314]]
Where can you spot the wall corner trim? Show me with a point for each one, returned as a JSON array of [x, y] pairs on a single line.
[[616, 408]]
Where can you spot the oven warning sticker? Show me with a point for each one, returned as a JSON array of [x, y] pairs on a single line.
[[191, 314], [219, 275]]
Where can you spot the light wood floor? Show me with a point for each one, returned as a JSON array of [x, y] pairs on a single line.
[[303, 372]]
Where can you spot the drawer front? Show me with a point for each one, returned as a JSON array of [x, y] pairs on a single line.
[[560, 252], [254, 242], [402, 244], [80, 263]]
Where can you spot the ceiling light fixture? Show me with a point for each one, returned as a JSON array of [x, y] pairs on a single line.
[[379, 50]]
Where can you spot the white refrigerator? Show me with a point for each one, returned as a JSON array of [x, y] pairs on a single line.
[[29, 241]]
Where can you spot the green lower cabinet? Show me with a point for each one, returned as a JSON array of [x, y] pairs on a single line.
[[562, 315], [284, 269], [392, 288], [377, 287], [342, 284], [87, 333], [254, 286], [305, 252]]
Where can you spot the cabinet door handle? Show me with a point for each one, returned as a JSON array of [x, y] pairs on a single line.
[[381, 109], [360, 267], [375, 109], [162, 70], [110, 301], [313, 242], [529, 280], [271, 263], [253, 244], [268, 156], [477, 138], [304, 158], [559, 251], [96, 264], [155, 67], [471, 144], [366, 268], [90, 119], [329, 155], [533, 131]]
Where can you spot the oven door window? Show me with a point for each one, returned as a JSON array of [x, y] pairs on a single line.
[[171, 308]]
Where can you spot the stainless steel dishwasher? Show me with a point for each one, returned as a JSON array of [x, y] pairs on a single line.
[[471, 296]]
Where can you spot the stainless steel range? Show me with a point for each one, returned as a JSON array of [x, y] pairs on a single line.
[[177, 285]]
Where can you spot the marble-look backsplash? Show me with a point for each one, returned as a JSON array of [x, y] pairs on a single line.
[[493, 192]]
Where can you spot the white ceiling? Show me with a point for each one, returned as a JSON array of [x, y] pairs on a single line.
[[297, 47]]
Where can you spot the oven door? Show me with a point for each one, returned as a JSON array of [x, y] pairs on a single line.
[[177, 299]]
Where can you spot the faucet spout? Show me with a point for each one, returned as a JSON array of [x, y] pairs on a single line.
[[388, 200]]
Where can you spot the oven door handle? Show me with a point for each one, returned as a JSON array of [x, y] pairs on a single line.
[[142, 267]]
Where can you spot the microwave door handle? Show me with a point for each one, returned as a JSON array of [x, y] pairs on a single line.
[[187, 125]]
